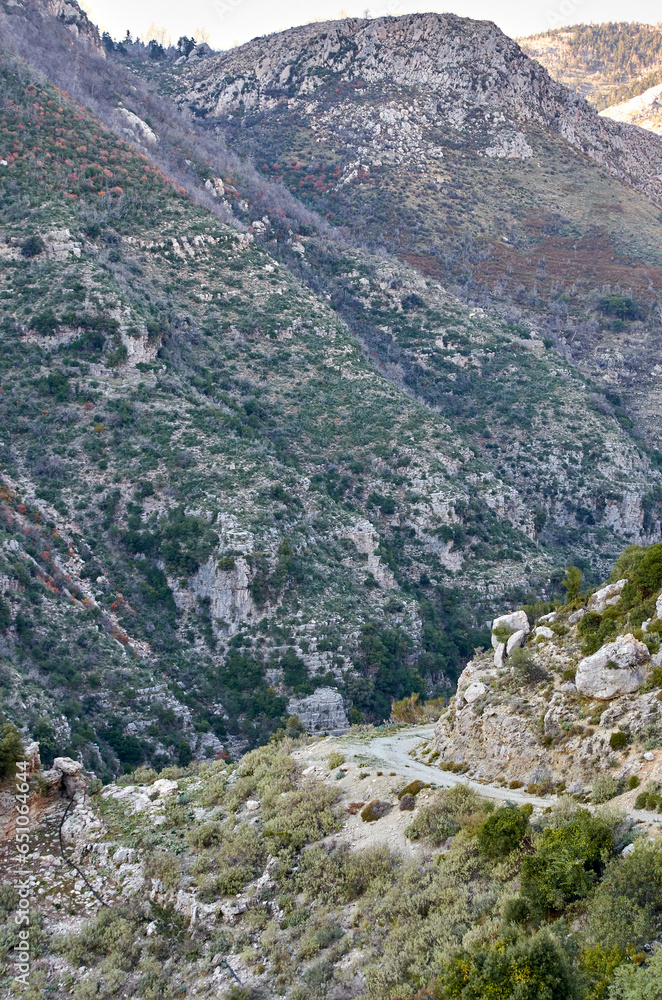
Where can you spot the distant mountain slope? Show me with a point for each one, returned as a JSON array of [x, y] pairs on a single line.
[[248, 457], [605, 63], [644, 110], [436, 138]]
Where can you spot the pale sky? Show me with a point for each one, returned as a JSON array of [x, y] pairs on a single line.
[[231, 22]]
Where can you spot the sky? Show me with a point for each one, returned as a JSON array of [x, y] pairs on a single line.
[[225, 23]]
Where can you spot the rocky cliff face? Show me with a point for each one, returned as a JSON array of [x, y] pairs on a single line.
[[541, 708], [471, 73]]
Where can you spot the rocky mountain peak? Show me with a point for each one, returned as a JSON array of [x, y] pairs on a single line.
[[469, 73]]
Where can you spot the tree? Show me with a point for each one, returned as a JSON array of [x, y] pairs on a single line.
[[186, 45], [572, 583], [11, 749]]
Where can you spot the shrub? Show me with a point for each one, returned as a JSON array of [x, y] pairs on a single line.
[[342, 874], [604, 788], [444, 815], [514, 967], [525, 668], [627, 904], [375, 810], [567, 862], [335, 760], [618, 740], [11, 749], [502, 832], [413, 788], [301, 816], [638, 982], [633, 782], [516, 784], [516, 911], [32, 246], [641, 801], [407, 803]]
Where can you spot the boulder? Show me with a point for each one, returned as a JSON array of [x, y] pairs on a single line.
[[164, 786], [499, 655], [617, 668], [322, 711], [611, 594], [542, 632], [516, 641], [514, 622], [552, 616], [658, 606], [474, 692], [576, 616]]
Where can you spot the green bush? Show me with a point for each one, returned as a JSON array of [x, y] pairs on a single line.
[[626, 906], [604, 788], [335, 760], [32, 246], [343, 875], [618, 740], [11, 750], [567, 862], [444, 815], [301, 816], [502, 832], [525, 968], [638, 982]]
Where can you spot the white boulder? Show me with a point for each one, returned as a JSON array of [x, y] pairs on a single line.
[[67, 766], [515, 641], [611, 594], [499, 655], [474, 692], [617, 668], [164, 786], [658, 606], [542, 632], [516, 621]]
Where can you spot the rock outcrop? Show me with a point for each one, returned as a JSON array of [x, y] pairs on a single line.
[[617, 668], [322, 711]]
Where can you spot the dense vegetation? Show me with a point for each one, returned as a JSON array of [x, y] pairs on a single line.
[[512, 905]]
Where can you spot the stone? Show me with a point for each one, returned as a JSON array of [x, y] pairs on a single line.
[[164, 786], [542, 632], [617, 668], [514, 621], [552, 616], [649, 755], [658, 607], [516, 641], [136, 128], [628, 849], [474, 692], [322, 711], [576, 616], [569, 688], [611, 594], [67, 766], [252, 805], [499, 655]]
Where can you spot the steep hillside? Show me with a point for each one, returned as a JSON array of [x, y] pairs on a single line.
[[570, 696], [605, 63], [246, 462], [496, 182], [644, 110]]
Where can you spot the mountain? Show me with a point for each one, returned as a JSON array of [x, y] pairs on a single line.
[[644, 110], [605, 63], [273, 445]]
